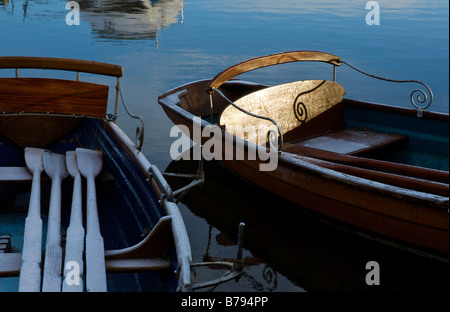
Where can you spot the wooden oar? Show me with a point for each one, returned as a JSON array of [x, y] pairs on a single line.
[[55, 167], [368, 163], [75, 232], [30, 271], [90, 164]]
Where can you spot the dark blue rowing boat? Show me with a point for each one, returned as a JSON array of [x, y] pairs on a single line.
[[140, 241]]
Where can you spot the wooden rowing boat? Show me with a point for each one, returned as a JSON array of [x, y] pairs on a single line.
[[379, 169], [98, 215]]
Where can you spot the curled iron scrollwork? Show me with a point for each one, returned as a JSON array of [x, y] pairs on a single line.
[[418, 94], [139, 129], [270, 276], [272, 136], [300, 110], [273, 140], [421, 97]]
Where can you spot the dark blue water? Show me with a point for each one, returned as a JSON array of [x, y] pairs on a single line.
[[163, 44]]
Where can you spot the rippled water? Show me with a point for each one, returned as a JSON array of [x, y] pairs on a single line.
[[162, 44]]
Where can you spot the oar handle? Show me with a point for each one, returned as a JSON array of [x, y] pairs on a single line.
[[30, 272], [95, 250], [53, 250], [73, 263], [92, 223], [34, 209]]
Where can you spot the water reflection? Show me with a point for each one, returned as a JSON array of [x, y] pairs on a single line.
[[112, 19], [333, 7], [130, 19], [411, 43], [294, 244]]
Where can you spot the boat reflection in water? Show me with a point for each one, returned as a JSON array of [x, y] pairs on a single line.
[[295, 244], [130, 19]]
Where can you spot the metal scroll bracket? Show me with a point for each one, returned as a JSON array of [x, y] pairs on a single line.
[[155, 175], [274, 138], [139, 130], [197, 180], [416, 94]]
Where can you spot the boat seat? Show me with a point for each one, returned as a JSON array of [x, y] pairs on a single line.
[[22, 174], [349, 141], [27, 104], [53, 96], [15, 174], [148, 255], [290, 105]]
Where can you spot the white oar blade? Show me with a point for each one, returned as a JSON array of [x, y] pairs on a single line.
[[33, 159], [90, 162], [72, 164], [55, 165]]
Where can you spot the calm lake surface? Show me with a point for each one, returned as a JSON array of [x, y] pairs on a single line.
[[163, 44]]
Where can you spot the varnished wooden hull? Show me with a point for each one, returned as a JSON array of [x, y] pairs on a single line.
[[401, 216]]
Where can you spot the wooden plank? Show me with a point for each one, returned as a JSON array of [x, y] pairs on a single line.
[[10, 264], [290, 105], [22, 174], [61, 64], [15, 174], [406, 182], [155, 244], [135, 265], [36, 130], [368, 163], [352, 142], [42, 95]]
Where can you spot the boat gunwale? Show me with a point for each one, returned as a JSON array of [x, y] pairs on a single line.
[[180, 235], [54, 63], [439, 202], [397, 109]]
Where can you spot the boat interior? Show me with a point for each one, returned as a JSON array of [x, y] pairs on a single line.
[[63, 115], [382, 143]]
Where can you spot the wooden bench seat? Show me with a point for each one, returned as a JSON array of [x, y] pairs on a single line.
[[349, 141], [148, 255], [308, 113], [15, 174], [290, 105]]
